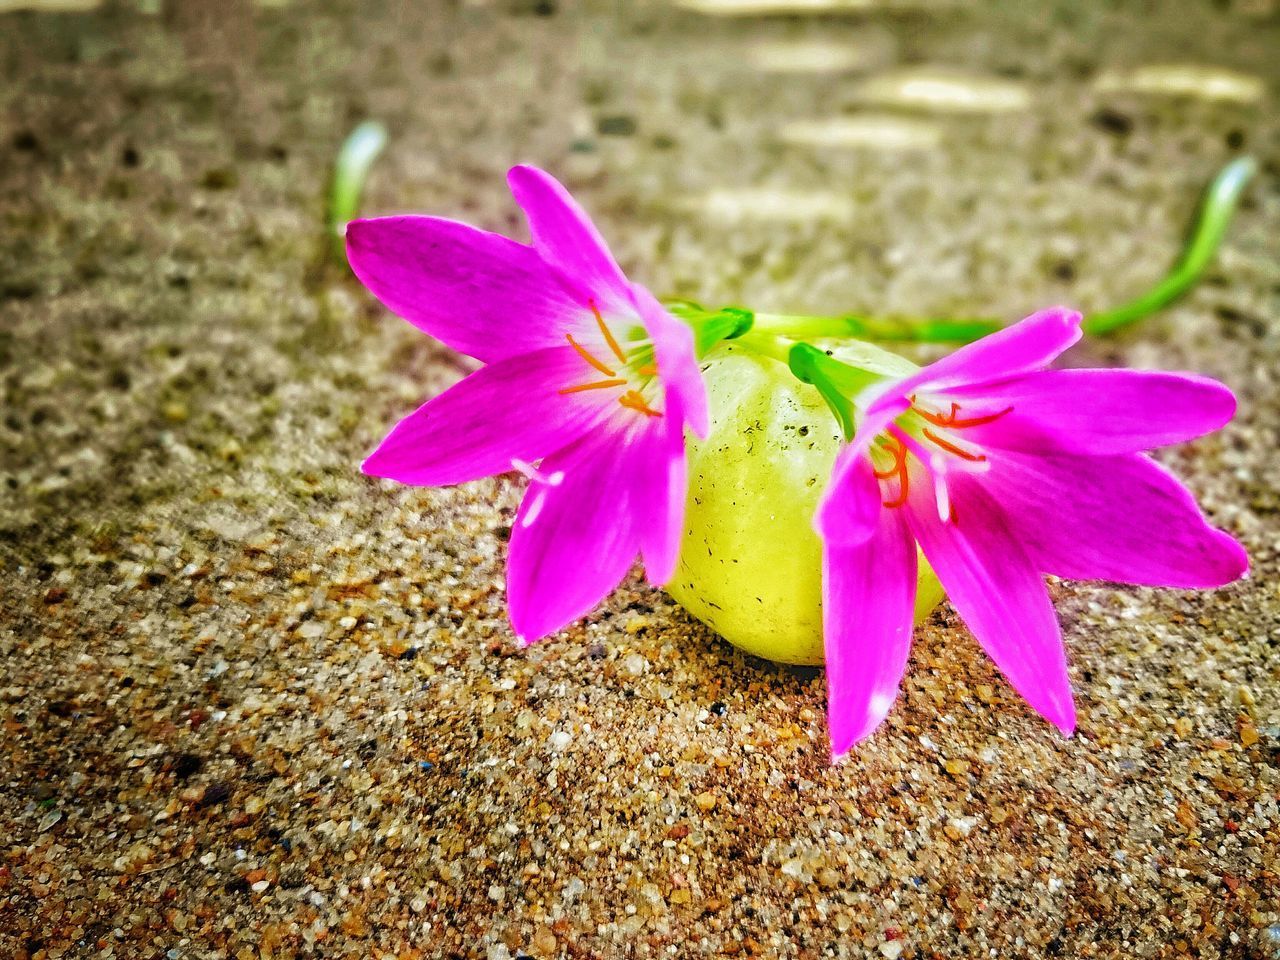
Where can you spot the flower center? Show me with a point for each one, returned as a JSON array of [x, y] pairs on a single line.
[[927, 436], [632, 374]]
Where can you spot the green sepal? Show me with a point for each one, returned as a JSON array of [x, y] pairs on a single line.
[[837, 382], [711, 326]]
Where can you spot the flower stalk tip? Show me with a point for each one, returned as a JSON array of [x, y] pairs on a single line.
[[350, 171]]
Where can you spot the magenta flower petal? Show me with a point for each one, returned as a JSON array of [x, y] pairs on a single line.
[[1122, 518], [661, 488], [997, 590], [509, 410], [575, 536], [867, 610], [1027, 345], [478, 292], [1100, 411], [588, 388], [849, 512], [1004, 472], [565, 237], [673, 350]]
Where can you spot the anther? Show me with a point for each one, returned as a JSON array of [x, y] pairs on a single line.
[[634, 401], [955, 421]]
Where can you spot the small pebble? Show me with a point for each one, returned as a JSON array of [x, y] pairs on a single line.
[[560, 739], [544, 943]]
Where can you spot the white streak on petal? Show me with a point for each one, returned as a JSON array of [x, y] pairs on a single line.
[[535, 508], [534, 475], [942, 496]]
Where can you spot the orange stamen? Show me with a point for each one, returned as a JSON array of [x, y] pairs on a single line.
[[648, 370], [902, 492], [586, 355], [597, 385], [953, 419], [634, 401], [899, 470], [952, 448], [608, 334]]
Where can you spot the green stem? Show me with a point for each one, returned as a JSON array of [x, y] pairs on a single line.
[[921, 330], [350, 171], [1220, 202], [768, 345], [1207, 232]]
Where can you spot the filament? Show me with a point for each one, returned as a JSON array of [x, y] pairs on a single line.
[[952, 448], [586, 355], [608, 334], [595, 385]]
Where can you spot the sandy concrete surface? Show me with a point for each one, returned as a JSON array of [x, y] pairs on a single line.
[[256, 705]]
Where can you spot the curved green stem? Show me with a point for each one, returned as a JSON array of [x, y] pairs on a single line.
[[1210, 226], [350, 171], [1220, 202]]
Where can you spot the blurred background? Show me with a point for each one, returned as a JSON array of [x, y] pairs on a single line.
[[256, 705]]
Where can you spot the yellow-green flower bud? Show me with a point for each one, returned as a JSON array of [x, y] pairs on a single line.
[[751, 563]]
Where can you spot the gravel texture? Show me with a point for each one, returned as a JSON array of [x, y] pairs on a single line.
[[256, 705]]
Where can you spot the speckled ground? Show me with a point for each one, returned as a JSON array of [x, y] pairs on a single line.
[[256, 705]]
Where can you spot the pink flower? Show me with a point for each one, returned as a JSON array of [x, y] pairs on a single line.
[[1003, 471], [587, 387]]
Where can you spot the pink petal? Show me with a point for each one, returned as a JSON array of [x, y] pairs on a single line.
[[850, 509], [677, 360], [1122, 518], [512, 409], [478, 292], [1029, 344], [565, 236], [1098, 411], [996, 589], [574, 538], [868, 599], [661, 488]]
